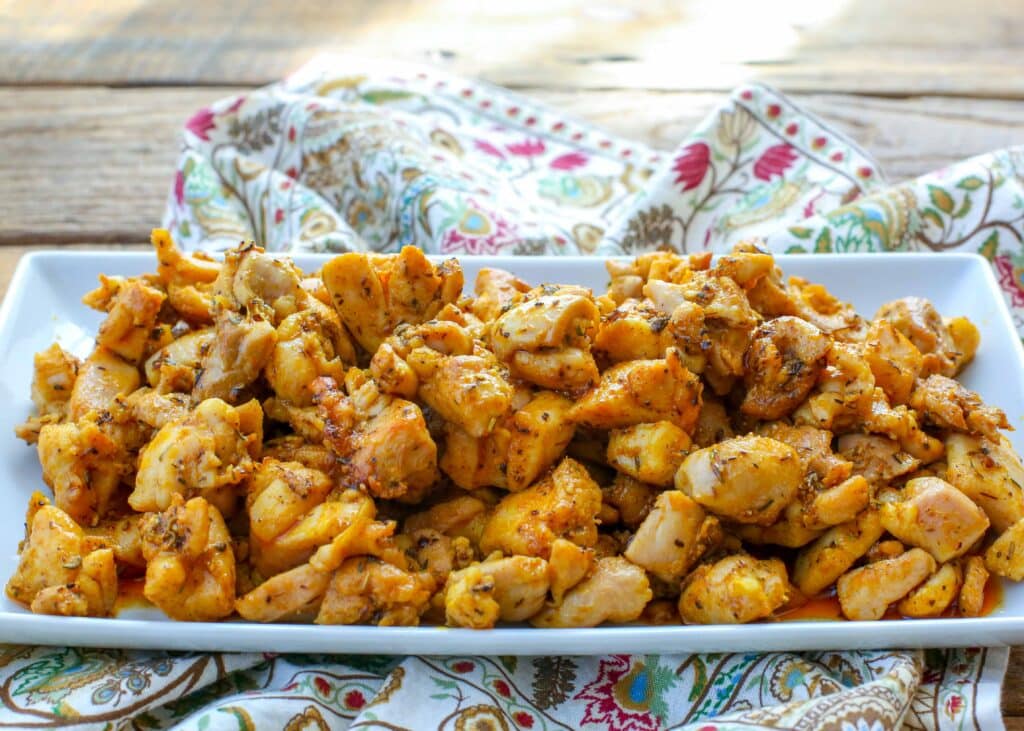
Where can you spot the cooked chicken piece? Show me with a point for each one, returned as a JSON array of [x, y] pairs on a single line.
[[839, 504], [568, 565], [188, 278], [563, 504], [288, 515], [83, 466], [241, 347], [887, 548], [616, 591], [828, 558], [935, 595], [366, 590], [971, 601], [633, 331], [734, 590], [966, 340], [894, 361], [381, 442], [901, 424], [469, 599], [631, 498], [990, 473], [190, 566], [211, 449], [789, 530], [814, 447], [539, 433], [306, 421], [392, 373], [53, 380], [948, 405], [124, 536], [518, 585], [374, 293], [649, 452], [867, 592], [814, 303], [1005, 557], [745, 267], [668, 542], [935, 516], [469, 391], [296, 449], [154, 409], [713, 423], [748, 479], [642, 391], [176, 366], [303, 352], [297, 594], [461, 516], [878, 459], [917, 319], [496, 291], [131, 320], [844, 392], [101, 378], [439, 554], [473, 463], [250, 275], [60, 569], [782, 365], [546, 338]]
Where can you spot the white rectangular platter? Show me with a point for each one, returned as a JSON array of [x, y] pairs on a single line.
[[43, 305]]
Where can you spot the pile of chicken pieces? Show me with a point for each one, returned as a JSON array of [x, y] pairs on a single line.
[[701, 444]]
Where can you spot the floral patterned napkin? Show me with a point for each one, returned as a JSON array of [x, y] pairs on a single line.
[[355, 155]]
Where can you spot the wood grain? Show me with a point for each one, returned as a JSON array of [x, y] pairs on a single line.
[[945, 47], [96, 164]]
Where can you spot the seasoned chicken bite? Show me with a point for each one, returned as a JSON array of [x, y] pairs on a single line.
[[53, 378], [918, 320], [154, 409], [828, 558], [249, 275], [635, 330], [990, 473], [461, 516], [540, 431], [83, 465], [509, 589], [948, 405], [631, 498], [1005, 557], [734, 590], [814, 447], [649, 452], [468, 390], [838, 504], [131, 319], [790, 530], [290, 515], [562, 504], [935, 516], [844, 392], [671, 538], [366, 590], [177, 365], [546, 338], [642, 391], [101, 378], [616, 591], [190, 564], [188, 278], [894, 361], [438, 554], [971, 601], [935, 595], [747, 479], [713, 423], [242, 345], [568, 565], [212, 448], [867, 592], [374, 293], [782, 364], [304, 351], [496, 291], [61, 570], [876, 458]]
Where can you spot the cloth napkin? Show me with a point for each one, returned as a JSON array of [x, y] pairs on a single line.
[[348, 154]]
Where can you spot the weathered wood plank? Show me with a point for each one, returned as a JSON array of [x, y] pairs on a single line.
[[95, 164], [870, 46], [1013, 685]]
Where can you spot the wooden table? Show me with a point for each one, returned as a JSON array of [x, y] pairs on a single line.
[[91, 98]]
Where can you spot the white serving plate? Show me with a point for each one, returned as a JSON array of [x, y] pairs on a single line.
[[43, 305]]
